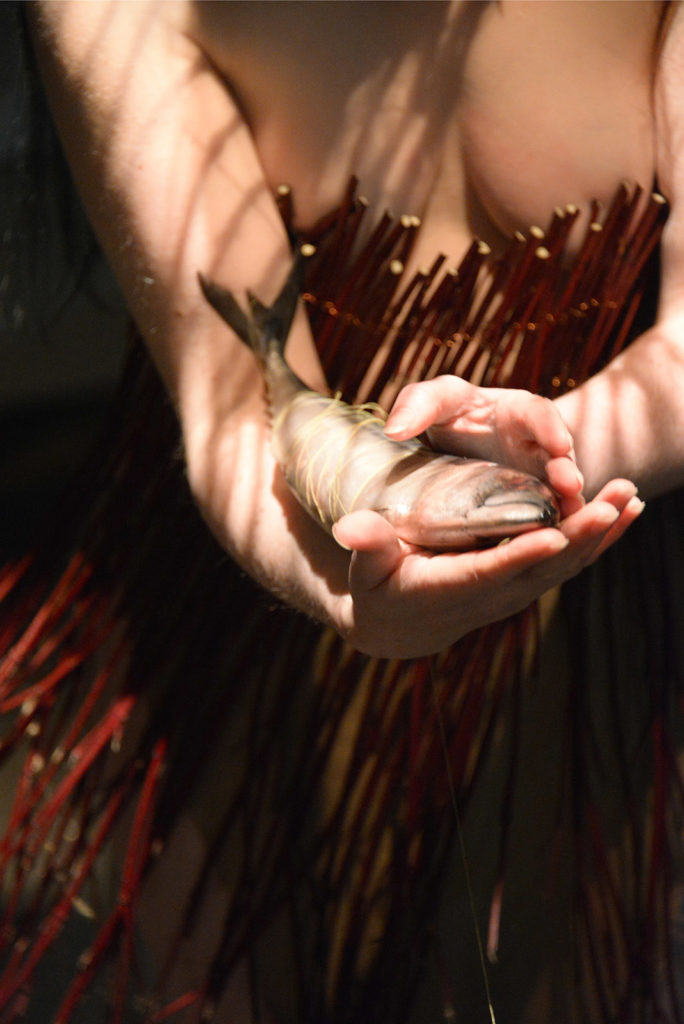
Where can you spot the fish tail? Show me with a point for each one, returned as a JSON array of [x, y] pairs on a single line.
[[265, 327]]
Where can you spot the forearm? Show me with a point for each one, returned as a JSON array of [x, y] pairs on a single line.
[[628, 420], [252, 512]]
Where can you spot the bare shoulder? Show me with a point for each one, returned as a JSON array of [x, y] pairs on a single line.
[[103, 41]]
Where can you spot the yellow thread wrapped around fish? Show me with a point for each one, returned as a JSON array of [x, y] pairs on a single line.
[[337, 459]]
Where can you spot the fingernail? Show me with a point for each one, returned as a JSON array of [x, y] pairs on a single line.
[[561, 542], [635, 504], [607, 515], [345, 546], [396, 427]]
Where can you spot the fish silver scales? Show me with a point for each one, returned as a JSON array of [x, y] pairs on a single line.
[[337, 459]]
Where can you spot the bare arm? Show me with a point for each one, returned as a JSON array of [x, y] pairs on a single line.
[[172, 183], [169, 173], [629, 419]]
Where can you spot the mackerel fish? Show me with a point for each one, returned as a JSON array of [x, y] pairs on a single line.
[[337, 459]]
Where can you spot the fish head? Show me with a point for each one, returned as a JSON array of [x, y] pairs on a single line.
[[481, 506]]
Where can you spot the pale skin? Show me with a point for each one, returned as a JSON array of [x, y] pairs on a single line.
[[180, 121]]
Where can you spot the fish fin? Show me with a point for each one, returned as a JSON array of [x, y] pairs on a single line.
[[228, 308], [268, 325], [275, 320]]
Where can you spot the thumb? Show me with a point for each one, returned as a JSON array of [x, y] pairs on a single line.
[[377, 551]]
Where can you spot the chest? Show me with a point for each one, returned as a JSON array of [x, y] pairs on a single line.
[[478, 117]]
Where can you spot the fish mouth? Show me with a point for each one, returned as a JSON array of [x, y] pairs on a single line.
[[507, 512]]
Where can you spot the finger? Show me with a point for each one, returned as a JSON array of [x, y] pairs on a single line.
[[503, 563], [631, 512], [422, 404], [590, 524], [618, 492], [585, 532], [591, 530], [527, 418], [601, 513], [377, 551], [566, 480], [569, 506], [589, 533]]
